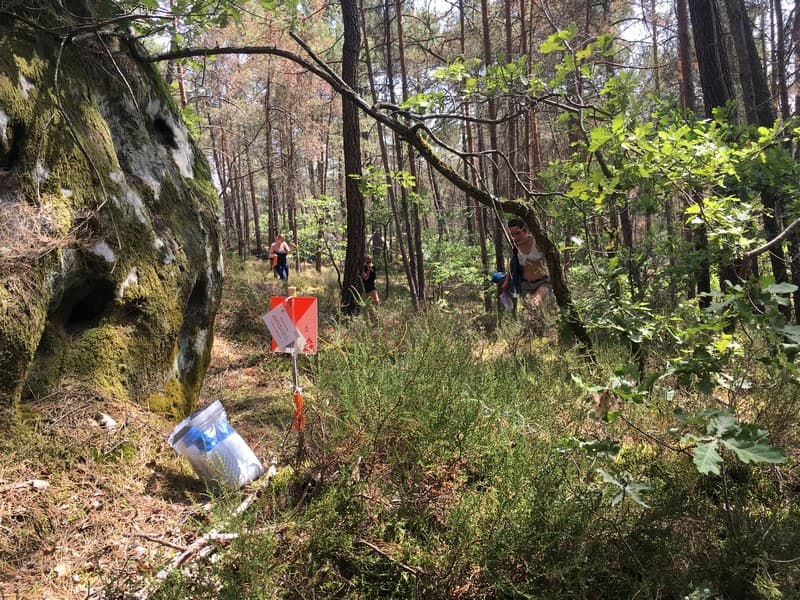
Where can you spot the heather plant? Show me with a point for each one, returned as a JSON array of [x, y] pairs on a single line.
[[440, 461]]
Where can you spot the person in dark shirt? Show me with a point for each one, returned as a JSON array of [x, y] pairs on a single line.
[[368, 280]]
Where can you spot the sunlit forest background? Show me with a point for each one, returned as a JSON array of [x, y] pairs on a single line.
[[640, 439]]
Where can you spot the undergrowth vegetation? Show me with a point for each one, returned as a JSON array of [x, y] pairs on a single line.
[[446, 459], [442, 460]]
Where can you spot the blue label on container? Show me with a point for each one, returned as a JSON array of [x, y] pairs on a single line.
[[206, 441]]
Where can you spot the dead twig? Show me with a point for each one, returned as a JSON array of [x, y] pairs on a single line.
[[201, 548], [156, 539], [36, 484], [387, 556]]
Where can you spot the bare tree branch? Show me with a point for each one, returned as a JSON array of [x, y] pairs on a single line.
[[418, 136], [751, 254]]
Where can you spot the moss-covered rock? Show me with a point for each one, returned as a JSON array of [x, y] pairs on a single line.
[[110, 258]]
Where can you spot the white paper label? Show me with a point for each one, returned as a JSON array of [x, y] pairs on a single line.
[[281, 327]]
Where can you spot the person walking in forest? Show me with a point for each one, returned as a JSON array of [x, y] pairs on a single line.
[[528, 275], [277, 252], [368, 280]]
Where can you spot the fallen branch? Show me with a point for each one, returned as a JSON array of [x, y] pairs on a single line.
[[156, 539], [201, 547], [36, 484], [387, 556]]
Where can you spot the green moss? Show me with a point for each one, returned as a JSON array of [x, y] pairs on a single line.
[[171, 400], [15, 63], [125, 453], [128, 345], [59, 212], [101, 356], [13, 351], [162, 306], [18, 340]]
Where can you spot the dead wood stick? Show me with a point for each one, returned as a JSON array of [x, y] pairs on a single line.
[[36, 484], [196, 546], [200, 546], [156, 539], [389, 557]]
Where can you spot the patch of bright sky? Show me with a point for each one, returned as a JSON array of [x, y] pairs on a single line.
[[633, 29], [637, 27]]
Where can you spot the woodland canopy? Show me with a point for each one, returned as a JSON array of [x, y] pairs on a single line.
[[650, 148]]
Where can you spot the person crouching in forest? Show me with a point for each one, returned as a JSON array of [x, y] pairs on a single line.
[[277, 252], [528, 275], [368, 280]]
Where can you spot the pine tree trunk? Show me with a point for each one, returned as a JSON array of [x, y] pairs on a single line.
[[415, 239], [351, 134]]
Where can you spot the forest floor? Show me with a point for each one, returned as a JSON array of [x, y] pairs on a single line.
[[91, 510], [85, 507]]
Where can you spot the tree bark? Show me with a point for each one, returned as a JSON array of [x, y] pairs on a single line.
[[687, 95], [415, 238], [272, 189], [760, 111], [351, 133], [712, 57], [717, 86], [488, 58], [474, 212], [254, 202]]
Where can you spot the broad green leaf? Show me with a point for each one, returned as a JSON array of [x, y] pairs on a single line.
[[723, 424], [598, 137], [634, 491], [631, 489], [605, 447], [792, 332], [618, 123], [782, 288], [692, 209], [608, 477], [706, 458], [555, 42], [579, 189], [725, 342], [704, 384], [749, 451]]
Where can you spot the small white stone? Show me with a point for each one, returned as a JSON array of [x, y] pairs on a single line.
[[26, 85], [40, 173], [102, 249], [3, 126]]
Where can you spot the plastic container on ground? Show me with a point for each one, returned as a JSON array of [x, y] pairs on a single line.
[[216, 452]]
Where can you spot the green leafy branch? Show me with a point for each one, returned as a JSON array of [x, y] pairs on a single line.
[[748, 442]]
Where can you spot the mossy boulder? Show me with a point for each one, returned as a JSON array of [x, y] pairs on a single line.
[[110, 257]]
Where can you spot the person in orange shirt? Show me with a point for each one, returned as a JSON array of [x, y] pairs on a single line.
[[278, 251]]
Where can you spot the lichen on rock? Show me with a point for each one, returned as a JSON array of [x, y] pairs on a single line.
[[110, 265]]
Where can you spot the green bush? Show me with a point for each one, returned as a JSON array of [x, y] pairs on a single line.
[[439, 463]]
